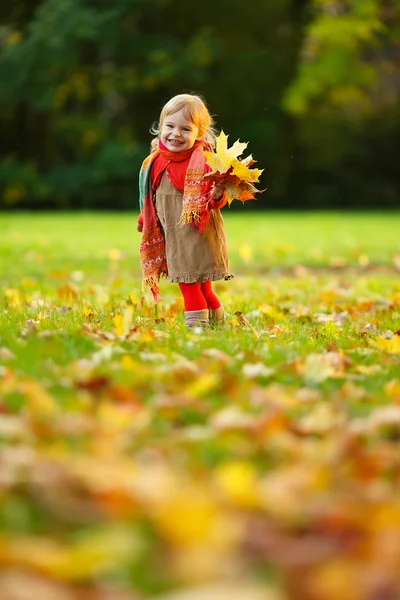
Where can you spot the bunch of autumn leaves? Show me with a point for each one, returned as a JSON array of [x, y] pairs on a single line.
[[239, 179]]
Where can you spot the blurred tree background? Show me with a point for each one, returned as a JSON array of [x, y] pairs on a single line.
[[313, 85]]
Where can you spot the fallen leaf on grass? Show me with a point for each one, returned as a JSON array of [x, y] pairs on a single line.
[[96, 333], [275, 422], [392, 389], [232, 418], [124, 396], [29, 329], [37, 397], [368, 369], [20, 585], [13, 297], [89, 314], [186, 517], [69, 293], [240, 322], [203, 385], [391, 345], [12, 429], [106, 353], [254, 370], [320, 367], [237, 481], [217, 355], [380, 417], [332, 321], [95, 383], [282, 488], [96, 553], [123, 321], [6, 354], [271, 311], [321, 419]]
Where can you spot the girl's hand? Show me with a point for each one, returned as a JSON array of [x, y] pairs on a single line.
[[139, 225], [218, 197], [218, 190]]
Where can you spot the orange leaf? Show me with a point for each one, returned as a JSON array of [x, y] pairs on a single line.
[[245, 195]]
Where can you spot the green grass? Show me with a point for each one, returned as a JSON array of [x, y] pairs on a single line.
[[261, 240], [144, 459]]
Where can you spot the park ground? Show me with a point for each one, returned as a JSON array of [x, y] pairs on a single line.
[[257, 460]]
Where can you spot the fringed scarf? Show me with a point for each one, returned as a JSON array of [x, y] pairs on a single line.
[[185, 170]]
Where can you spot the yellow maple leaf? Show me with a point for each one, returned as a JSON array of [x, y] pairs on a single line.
[[236, 173], [223, 156], [241, 170], [123, 322], [392, 345]]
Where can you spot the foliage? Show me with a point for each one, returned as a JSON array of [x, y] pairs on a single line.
[[345, 98], [84, 78], [235, 172], [73, 76], [313, 85], [334, 56], [141, 460]]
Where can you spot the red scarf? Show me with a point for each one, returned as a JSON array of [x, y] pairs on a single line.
[[185, 170], [175, 163]]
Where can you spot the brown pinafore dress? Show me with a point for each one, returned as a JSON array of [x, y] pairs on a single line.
[[192, 257]]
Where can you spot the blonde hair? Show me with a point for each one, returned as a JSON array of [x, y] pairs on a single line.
[[194, 109]]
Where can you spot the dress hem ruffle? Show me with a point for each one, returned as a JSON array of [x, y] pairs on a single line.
[[200, 278]]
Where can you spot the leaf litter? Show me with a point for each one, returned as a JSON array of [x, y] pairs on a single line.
[[257, 460]]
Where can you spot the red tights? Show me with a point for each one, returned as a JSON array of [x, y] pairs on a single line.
[[197, 296]]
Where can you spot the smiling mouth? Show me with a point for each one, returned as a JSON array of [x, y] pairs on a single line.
[[175, 142]]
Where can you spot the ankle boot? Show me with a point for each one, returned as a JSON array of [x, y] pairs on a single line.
[[197, 317], [216, 315]]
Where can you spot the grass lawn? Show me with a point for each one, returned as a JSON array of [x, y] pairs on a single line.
[[256, 461]]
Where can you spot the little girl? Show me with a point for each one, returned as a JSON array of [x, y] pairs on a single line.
[[183, 231]]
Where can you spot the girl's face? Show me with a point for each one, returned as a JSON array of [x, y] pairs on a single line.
[[177, 133]]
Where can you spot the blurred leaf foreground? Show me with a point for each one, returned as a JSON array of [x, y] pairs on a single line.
[[255, 461]]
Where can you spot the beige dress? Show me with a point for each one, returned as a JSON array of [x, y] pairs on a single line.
[[192, 257]]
